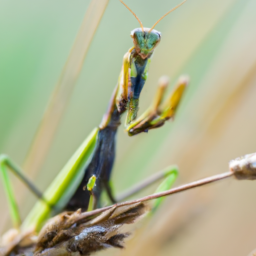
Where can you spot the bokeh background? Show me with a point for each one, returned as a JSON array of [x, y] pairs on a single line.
[[211, 41]]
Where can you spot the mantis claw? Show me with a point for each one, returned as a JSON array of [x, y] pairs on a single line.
[[156, 115]]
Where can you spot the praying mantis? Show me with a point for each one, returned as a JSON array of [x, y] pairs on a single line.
[[95, 156], [89, 154]]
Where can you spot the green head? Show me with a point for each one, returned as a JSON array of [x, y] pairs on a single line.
[[145, 41]]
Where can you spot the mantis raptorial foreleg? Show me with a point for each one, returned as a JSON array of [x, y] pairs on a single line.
[[124, 83], [7, 165], [158, 113]]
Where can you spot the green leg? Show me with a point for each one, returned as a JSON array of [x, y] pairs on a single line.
[[10, 195], [169, 175], [7, 164]]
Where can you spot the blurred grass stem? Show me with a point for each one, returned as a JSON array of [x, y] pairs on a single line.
[[63, 90]]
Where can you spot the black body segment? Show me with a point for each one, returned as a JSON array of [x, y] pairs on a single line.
[[100, 165]]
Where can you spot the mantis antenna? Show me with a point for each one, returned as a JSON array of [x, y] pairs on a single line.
[[173, 9], [134, 15]]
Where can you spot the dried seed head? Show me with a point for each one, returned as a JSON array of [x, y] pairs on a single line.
[[71, 234], [244, 168]]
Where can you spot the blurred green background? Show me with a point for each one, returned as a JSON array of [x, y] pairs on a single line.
[[211, 41]]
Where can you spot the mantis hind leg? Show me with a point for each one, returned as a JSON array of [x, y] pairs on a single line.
[[7, 165], [168, 175]]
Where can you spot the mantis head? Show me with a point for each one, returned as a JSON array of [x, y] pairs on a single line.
[[146, 39]]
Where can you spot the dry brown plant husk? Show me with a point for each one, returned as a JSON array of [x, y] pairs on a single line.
[[69, 234]]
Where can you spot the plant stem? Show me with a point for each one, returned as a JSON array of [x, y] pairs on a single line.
[[178, 189]]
